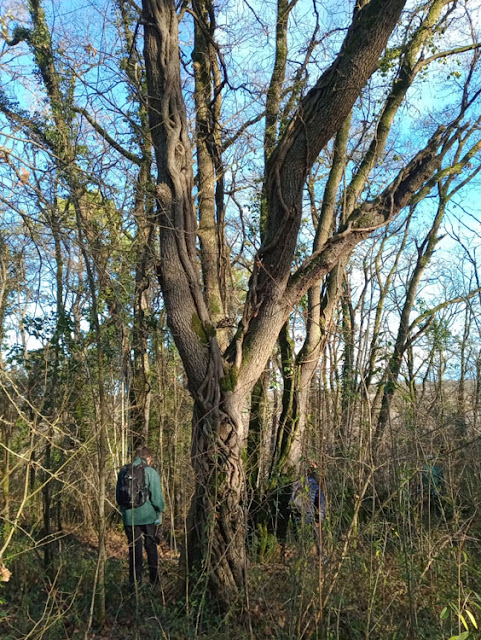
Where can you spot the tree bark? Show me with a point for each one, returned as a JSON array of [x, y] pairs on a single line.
[[320, 313], [216, 522], [140, 388]]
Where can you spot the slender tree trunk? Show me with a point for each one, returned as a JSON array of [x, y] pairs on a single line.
[[140, 384], [5, 482], [5, 291], [348, 386], [102, 439], [298, 371], [477, 390], [461, 424], [51, 393], [384, 288], [257, 437]]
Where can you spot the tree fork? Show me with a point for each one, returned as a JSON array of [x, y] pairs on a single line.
[[219, 389]]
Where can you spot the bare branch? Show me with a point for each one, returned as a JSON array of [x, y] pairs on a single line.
[[107, 137]]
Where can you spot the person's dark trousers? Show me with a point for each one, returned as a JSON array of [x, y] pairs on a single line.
[[135, 534]]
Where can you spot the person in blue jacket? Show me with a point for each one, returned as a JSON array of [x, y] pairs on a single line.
[[432, 485], [141, 523], [308, 504]]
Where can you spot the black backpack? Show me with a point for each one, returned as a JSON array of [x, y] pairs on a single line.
[[132, 489]]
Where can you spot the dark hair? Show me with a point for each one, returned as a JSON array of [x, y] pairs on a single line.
[[143, 452]]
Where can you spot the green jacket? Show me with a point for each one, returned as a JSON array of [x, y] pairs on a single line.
[[152, 509]]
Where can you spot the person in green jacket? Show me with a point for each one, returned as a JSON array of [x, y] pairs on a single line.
[[141, 523]]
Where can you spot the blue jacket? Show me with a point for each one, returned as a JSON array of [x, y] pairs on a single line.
[[306, 497], [317, 497]]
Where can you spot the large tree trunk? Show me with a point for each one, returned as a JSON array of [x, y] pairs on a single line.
[[216, 523], [219, 385], [216, 533]]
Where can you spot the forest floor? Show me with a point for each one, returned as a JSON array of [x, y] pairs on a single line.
[[426, 586]]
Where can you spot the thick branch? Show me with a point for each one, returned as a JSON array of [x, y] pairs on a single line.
[[320, 114], [376, 213], [408, 69]]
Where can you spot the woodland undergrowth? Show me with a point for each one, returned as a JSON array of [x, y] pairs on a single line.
[[403, 577]]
